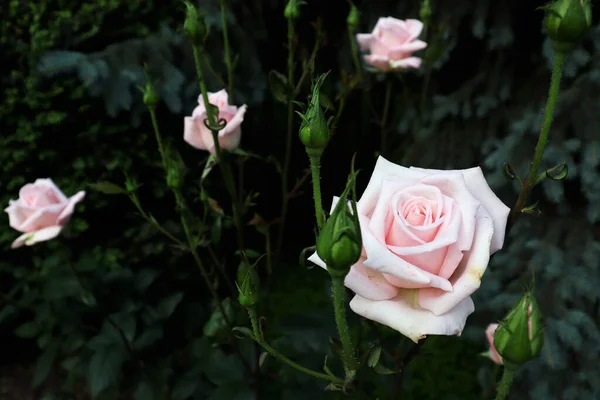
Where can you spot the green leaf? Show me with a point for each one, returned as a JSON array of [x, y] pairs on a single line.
[[381, 370], [279, 86], [126, 323], [263, 357], [44, 363], [144, 278], [147, 338], [374, 356], [187, 384], [107, 188], [144, 391], [28, 330], [168, 304], [104, 369], [6, 312]]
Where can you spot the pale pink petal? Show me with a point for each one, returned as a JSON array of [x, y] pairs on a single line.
[[219, 99], [403, 315], [364, 40], [409, 62], [379, 47], [191, 134], [402, 51], [479, 188], [453, 185], [384, 170], [363, 281], [16, 216], [41, 235], [42, 218], [467, 277], [65, 215], [382, 63], [414, 27], [492, 353], [49, 183], [453, 258], [230, 136]]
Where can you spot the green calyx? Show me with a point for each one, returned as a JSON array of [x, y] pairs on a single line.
[[248, 285], [339, 244], [314, 130], [520, 337], [353, 16], [567, 21], [292, 9]]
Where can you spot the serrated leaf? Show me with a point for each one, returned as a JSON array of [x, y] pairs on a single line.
[[374, 356], [104, 369], [147, 338], [144, 278], [167, 305], [278, 84], [107, 188]]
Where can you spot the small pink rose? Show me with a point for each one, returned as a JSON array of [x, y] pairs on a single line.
[[41, 212], [392, 43], [427, 240], [492, 352], [199, 136]]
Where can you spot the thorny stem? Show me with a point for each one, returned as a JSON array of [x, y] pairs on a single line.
[[529, 182], [339, 294], [275, 353], [315, 165], [505, 383]]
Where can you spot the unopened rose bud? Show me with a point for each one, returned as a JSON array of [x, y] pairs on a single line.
[[292, 9], [520, 337], [194, 26], [151, 97], [353, 17], [567, 21], [174, 178], [339, 244], [425, 10], [248, 285], [314, 131]]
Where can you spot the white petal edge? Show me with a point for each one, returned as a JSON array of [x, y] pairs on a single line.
[[400, 315], [31, 238]]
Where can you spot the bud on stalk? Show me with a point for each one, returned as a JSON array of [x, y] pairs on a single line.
[[567, 21]]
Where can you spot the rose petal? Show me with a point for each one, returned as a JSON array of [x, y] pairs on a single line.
[[364, 40], [408, 62], [467, 277], [400, 314], [384, 170], [65, 215], [32, 238], [414, 27], [478, 186], [402, 51], [492, 353], [49, 183], [382, 63], [191, 134], [42, 218]]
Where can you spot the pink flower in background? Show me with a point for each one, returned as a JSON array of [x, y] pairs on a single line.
[[41, 212], [492, 352], [199, 136], [427, 240], [392, 43]]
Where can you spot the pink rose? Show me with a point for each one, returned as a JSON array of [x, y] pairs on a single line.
[[427, 239], [392, 43], [41, 212], [199, 136], [492, 352]]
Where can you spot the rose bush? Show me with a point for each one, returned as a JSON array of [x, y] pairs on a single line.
[[199, 136], [392, 43], [41, 212], [427, 240]]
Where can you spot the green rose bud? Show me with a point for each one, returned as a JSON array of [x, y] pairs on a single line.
[[248, 285], [339, 244], [520, 337], [314, 131], [567, 21], [194, 26], [425, 10], [353, 17], [151, 97], [292, 9]]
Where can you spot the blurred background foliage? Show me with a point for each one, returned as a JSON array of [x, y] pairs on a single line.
[[111, 310]]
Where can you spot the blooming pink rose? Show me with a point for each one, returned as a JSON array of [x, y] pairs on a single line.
[[392, 43], [41, 212], [492, 352], [427, 239], [198, 135]]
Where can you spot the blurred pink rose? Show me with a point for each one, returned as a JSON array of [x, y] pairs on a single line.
[[392, 43], [199, 136], [492, 352], [41, 212], [427, 239]]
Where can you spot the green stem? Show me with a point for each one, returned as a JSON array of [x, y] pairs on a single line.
[[339, 294], [289, 137], [354, 49], [386, 109], [275, 353], [529, 182], [315, 166], [225, 167], [227, 52], [505, 383], [159, 141]]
